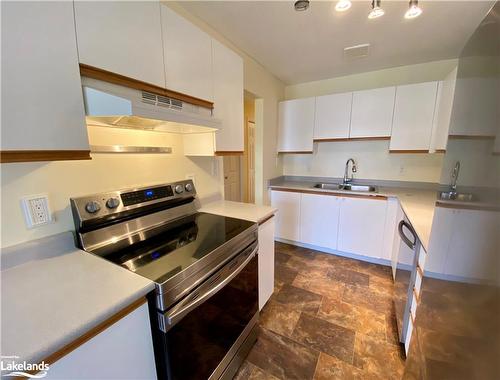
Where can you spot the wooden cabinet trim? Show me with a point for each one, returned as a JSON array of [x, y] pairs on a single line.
[[52, 358], [374, 138], [331, 193], [409, 151], [12, 156], [296, 152], [471, 137], [463, 206], [121, 80], [229, 153]]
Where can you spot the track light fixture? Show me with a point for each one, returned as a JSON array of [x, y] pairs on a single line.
[[376, 11], [343, 5], [301, 5], [413, 10]]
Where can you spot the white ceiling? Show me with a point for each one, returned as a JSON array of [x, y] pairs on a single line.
[[304, 46]]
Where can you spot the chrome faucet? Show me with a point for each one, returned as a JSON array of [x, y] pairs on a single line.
[[346, 179], [454, 177]]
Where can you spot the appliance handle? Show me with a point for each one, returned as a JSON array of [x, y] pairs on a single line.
[[172, 317], [408, 242]]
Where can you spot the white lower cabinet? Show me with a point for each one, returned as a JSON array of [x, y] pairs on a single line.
[[288, 216], [122, 351], [266, 261], [361, 226], [355, 225], [319, 220]]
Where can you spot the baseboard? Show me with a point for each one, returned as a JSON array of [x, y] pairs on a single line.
[[368, 259]]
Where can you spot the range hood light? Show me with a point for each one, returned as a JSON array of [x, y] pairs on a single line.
[[376, 11]]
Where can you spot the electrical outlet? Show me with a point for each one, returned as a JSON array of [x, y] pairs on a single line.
[[192, 178], [36, 210]]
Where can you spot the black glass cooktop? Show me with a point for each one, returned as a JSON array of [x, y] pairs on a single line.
[[179, 245]]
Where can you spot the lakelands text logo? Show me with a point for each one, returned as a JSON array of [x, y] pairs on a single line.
[[12, 368]]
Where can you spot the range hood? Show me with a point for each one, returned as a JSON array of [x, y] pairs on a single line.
[[111, 105]]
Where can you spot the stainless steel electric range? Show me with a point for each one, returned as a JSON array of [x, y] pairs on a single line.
[[205, 306]]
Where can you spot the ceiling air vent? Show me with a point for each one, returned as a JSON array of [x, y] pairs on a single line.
[[357, 51], [163, 101]]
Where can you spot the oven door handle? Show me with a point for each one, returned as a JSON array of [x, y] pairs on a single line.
[[172, 317]]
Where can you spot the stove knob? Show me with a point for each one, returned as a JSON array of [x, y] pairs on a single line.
[[179, 189], [112, 202], [188, 187], [92, 207]]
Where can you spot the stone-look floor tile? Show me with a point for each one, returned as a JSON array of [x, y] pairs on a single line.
[[378, 358], [279, 318], [248, 371], [325, 337], [278, 285], [368, 298], [283, 357], [359, 319], [285, 274], [299, 299], [331, 368], [281, 258], [320, 284], [382, 284], [391, 329], [373, 269], [349, 276]]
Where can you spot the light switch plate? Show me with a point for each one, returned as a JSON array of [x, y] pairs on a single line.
[[36, 210]]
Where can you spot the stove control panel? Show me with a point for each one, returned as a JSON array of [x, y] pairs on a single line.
[[115, 203]]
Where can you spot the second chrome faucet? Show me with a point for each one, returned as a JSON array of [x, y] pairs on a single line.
[[346, 179]]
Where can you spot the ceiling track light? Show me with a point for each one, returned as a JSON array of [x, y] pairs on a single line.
[[343, 5], [301, 5], [413, 10], [376, 11]]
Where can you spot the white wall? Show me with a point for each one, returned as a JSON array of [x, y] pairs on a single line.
[[65, 179], [372, 157], [268, 91]]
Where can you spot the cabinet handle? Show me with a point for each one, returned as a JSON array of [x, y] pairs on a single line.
[[408, 242]]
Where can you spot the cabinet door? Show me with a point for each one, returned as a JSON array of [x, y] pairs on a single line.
[[266, 261], [122, 37], [361, 226], [475, 106], [444, 106], [296, 124], [439, 242], [319, 217], [288, 216], [228, 97], [188, 56], [42, 103], [413, 117], [372, 112], [122, 351], [332, 116]]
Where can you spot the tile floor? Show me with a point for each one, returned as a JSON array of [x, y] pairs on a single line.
[[329, 318]]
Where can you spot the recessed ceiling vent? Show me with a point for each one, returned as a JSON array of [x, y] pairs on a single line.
[[357, 51]]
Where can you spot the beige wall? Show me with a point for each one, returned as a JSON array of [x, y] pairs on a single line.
[[62, 180], [268, 91], [373, 158]]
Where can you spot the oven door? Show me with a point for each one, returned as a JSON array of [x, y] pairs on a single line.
[[199, 337]]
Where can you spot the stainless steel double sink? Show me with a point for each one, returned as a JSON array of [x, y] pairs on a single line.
[[346, 187]]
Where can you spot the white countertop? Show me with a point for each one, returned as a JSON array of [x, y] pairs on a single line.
[[247, 211], [52, 298], [417, 204]]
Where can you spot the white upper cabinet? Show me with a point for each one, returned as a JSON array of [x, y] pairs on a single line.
[[332, 116], [444, 107], [296, 125], [42, 103], [122, 37], [413, 117], [372, 112], [188, 56], [319, 216], [228, 98], [362, 226], [475, 107]]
